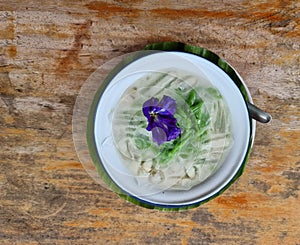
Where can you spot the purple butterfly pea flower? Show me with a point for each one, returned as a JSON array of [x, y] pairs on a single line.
[[161, 120]]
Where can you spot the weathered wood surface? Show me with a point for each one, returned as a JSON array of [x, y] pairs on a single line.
[[47, 51]]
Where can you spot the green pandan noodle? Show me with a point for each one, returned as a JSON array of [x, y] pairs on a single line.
[[204, 120]]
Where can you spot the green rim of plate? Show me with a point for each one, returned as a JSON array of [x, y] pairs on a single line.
[[163, 46]]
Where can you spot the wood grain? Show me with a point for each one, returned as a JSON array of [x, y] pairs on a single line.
[[49, 49]]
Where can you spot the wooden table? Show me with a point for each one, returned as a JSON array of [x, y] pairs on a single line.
[[47, 51]]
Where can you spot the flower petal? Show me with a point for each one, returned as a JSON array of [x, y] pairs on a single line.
[[158, 135], [168, 120], [151, 102], [168, 104], [174, 133]]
